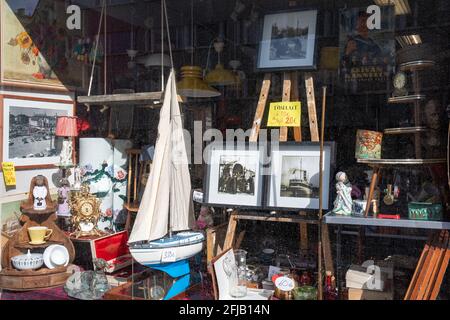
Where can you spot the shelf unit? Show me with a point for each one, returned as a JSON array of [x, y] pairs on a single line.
[[415, 99]]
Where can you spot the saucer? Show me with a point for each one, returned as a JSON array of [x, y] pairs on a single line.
[[40, 242]]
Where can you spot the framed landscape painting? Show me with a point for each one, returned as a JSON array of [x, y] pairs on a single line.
[[288, 41], [293, 182], [234, 176], [28, 135]]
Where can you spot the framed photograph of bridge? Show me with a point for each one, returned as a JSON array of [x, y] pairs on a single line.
[[293, 182], [28, 135]]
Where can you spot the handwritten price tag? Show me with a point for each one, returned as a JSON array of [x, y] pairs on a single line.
[[168, 255], [284, 283], [284, 114], [9, 173]]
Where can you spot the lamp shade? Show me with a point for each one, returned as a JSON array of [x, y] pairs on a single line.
[[154, 60], [221, 77], [192, 84], [66, 127]]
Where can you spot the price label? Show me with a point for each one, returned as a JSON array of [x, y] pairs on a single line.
[[168, 255], [9, 173], [284, 114], [284, 283]]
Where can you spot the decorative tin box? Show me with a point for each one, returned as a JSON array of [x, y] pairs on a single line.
[[368, 144], [425, 211]]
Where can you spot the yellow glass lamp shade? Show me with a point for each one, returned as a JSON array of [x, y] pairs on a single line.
[[192, 84], [221, 77]]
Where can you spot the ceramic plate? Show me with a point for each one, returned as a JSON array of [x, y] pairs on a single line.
[[50, 251]]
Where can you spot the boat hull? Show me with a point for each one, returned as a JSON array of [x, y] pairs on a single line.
[[150, 257]]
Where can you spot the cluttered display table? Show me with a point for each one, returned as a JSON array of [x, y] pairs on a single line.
[[434, 257]]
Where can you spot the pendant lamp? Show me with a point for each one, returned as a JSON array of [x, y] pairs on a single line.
[[192, 84], [220, 76]]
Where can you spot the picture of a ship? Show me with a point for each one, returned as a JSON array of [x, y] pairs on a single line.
[[296, 181]]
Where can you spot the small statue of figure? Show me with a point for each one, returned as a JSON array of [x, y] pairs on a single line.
[[63, 198], [39, 192], [76, 178], [343, 202]]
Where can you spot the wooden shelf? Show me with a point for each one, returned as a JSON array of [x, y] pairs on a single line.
[[125, 99], [407, 99], [417, 65], [405, 130], [401, 162], [26, 245]]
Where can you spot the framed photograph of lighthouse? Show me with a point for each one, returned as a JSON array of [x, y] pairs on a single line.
[[288, 41], [28, 134], [293, 182]]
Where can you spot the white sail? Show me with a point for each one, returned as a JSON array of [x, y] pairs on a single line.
[[168, 189]]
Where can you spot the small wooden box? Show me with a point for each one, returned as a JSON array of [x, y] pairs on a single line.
[[113, 248]]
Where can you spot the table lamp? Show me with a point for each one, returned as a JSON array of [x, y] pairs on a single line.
[[66, 126]]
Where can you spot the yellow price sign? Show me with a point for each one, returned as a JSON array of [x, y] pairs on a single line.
[[285, 114], [9, 173]]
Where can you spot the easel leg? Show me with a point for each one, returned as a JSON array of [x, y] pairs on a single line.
[[231, 232]]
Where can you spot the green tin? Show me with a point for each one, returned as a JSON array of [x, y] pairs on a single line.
[[425, 211]]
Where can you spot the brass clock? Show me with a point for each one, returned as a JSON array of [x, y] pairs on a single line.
[[85, 213]]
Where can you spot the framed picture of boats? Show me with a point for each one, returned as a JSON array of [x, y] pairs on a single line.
[[293, 182], [28, 135], [234, 175]]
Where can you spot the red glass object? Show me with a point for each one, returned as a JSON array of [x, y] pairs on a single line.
[[329, 292], [66, 127], [305, 279]]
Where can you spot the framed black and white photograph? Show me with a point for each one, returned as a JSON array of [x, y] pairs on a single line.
[[28, 133], [288, 41], [234, 176], [293, 182]]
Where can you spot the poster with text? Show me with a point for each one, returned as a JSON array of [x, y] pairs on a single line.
[[366, 48]]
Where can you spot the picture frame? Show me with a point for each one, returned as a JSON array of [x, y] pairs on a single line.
[[31, 121], [293, 182], [37, 50], [288, 41], [234, 175]]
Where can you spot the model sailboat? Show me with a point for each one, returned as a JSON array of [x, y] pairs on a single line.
[[160, 238]]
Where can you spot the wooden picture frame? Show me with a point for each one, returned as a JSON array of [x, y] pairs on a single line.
[[45, 58], [41, 160]]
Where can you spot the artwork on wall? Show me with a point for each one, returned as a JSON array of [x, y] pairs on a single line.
[[293, 182], [234, 175], [366, 55], [28, 136], [288, 41], [105, 171], [37, 48]]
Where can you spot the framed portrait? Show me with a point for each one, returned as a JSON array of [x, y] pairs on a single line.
[[233, 175], [293, 182], [37, 49], [288, 41], [28, 134]]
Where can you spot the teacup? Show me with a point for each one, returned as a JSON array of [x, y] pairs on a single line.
[[39, 234]]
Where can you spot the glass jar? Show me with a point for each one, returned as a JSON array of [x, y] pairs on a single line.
[[238, 278]]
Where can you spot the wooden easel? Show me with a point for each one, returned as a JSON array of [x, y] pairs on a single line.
[[290, 93]]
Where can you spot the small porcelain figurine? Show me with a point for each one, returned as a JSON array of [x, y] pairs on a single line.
[[63, 199], [343, 203], [40, 193], [76, 178]]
